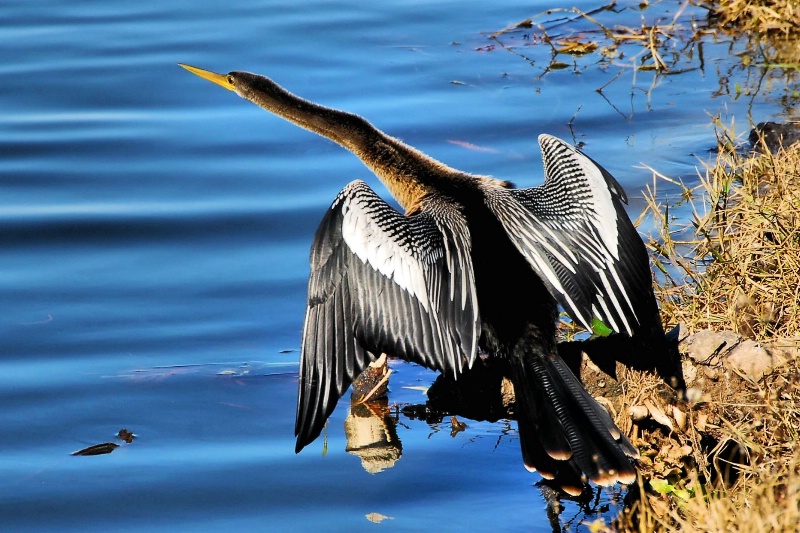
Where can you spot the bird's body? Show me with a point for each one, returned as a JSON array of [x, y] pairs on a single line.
[[472, 264]]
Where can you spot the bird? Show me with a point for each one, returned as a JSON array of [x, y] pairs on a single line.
[[472, 266]]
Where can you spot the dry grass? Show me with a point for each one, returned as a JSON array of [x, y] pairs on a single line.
[[766, 501], [758, 16], [737, 266], [729, 459], [770, 30], [733, 466]]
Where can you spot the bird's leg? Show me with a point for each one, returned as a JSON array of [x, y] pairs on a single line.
[[372, 383]]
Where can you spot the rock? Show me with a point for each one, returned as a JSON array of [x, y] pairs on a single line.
[[750, 359], [689, 372], [638, 413], [694, 395], [779, 357], [783, 351], [711, 373], [705, 345], [678, 333], [776, 136]]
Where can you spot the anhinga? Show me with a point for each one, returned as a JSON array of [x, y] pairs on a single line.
[[473, 263]]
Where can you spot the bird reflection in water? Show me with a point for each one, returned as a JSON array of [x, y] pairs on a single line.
[[369, 427], [371, 433]]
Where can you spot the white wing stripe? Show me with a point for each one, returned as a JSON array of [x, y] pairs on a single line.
[[624, 293], [615, 301], [603, 212], [376, 246]]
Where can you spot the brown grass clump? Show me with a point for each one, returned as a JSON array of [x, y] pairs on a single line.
[[766, 501], [727, 461], [737, 266], [727, 456], [758, 16], [772, 30]]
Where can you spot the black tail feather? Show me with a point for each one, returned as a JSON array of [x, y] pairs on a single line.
[[564, 433]]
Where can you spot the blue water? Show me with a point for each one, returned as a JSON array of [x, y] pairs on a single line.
[[154, 234]]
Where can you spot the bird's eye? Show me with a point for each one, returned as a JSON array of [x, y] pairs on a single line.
[[230, 80]]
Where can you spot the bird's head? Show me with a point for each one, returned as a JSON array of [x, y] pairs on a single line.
[[224, 80], [260, 90]]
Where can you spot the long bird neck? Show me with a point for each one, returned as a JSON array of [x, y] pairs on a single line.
[[409, 174]]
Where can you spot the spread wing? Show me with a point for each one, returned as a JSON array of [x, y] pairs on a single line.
[[382, 282], [575, 233]]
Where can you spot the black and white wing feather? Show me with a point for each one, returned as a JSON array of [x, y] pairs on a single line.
[[382, 282], [575, 233]]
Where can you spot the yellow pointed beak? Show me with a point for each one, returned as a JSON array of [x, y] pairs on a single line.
[[219, 79]]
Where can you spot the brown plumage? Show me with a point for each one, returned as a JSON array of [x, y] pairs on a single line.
[[472, 263]]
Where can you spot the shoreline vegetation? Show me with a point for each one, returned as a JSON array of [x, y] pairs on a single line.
[[726, 458]]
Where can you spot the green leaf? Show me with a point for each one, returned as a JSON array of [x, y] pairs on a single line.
[[682, 494], [600, 329], [661, 486]]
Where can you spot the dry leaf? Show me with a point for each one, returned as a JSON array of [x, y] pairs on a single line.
[[680, 418], [658, 414]]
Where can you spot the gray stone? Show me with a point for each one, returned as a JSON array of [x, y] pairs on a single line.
[[689, 372], [704, 345], [750, 359], [677, 333]]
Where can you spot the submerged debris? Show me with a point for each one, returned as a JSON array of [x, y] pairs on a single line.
[[373, 382], [107, 447], [98, 449], [125, 436], [377, 518]]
